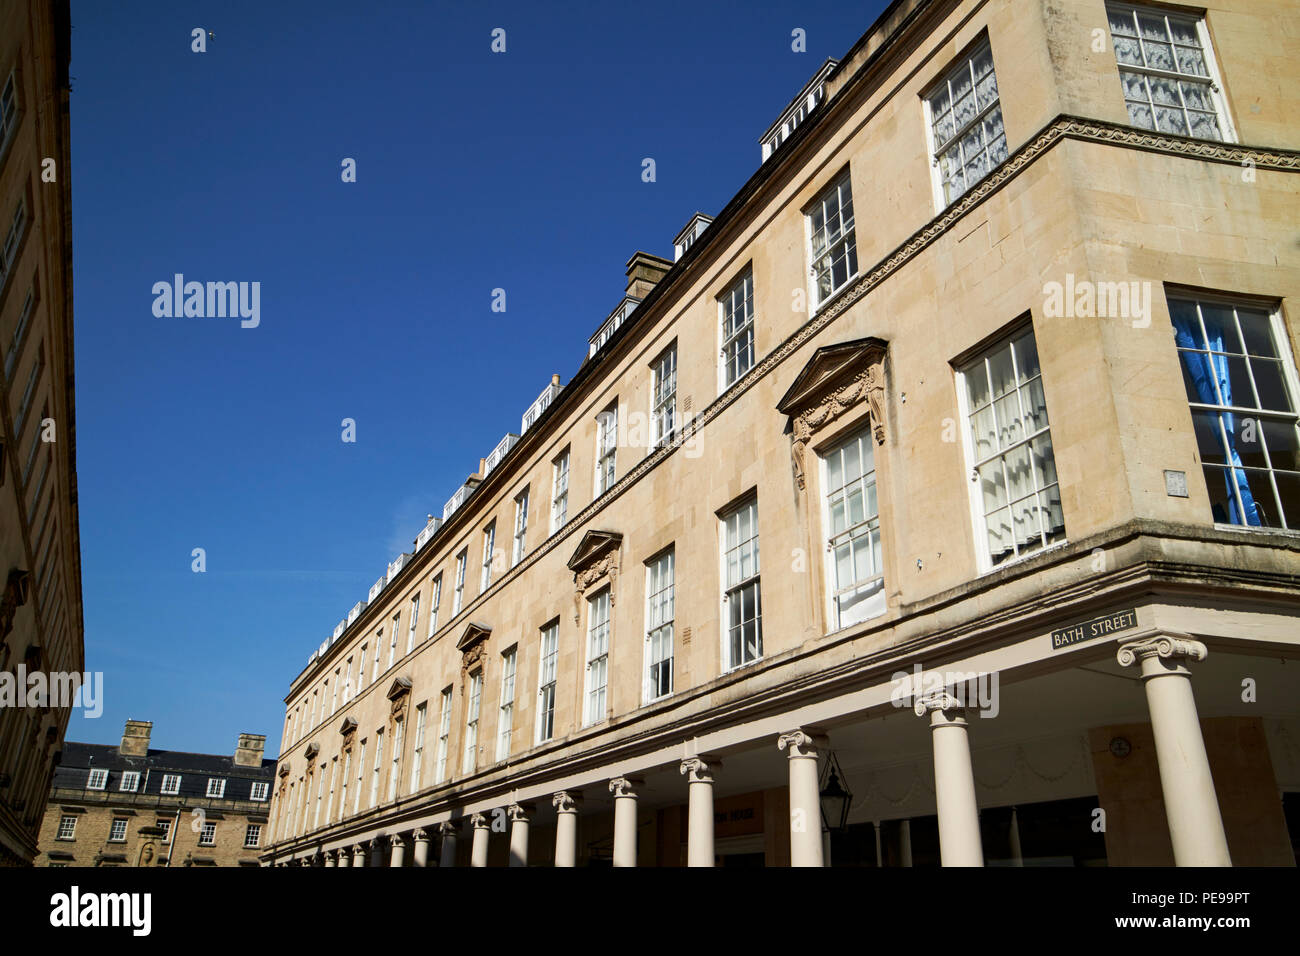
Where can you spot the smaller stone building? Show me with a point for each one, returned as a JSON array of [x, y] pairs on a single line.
[[132, 806]]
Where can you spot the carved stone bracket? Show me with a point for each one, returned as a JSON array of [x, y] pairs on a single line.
[[836, 379]]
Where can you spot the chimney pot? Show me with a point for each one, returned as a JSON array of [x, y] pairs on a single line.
[[644, 272], [249, 749]]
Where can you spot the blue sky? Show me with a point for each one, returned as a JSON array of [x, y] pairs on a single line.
[[475, 171]]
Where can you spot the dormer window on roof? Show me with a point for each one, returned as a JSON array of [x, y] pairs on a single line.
[[542, 403], [611, 324], [809, 97], [686, 238], [499, 453]]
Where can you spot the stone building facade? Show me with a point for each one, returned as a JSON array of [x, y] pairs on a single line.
[[133, 806], [1018, 451], [40, 552]]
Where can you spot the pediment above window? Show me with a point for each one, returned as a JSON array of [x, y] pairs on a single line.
[[399, 687], [593, 547], [348, 726], [284, 769], [312, 750], [836, 379], [474, 632]]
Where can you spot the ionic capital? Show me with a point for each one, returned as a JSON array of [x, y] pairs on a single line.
[[802, 743], [420, 836], [479, 822], [519, 812], [625, 786], [1178, 648], [940, 700], [395, 840], [448, 829], [565, 802], [357, 849], [700, 769]]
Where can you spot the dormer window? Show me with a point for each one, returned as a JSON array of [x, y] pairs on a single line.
[[809, 98]]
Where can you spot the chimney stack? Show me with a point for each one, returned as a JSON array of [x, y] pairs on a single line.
[[135, 739], [644, 272], [248, 751]]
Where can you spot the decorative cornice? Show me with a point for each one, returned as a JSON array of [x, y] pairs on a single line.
[[1178, 648]]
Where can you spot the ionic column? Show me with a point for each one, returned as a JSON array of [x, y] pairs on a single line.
[[1191, 806], [519, 816], [478, 851], [376, 852], [358, 855], [421, 855], [566, 828], [447, 856], [805, 801], [398, 856], [624, 790], [699, 823], [345, 856], [954, 780], [331, 857]]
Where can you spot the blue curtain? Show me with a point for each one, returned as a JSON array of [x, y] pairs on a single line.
[[1204, 369]]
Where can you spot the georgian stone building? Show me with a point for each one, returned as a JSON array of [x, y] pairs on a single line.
[[133, 806], [40, 550], [1018, 450]]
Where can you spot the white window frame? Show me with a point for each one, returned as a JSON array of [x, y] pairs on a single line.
[[560, 490], [458, 596], [131, 778], [378, 768], [519, 546], [361, 669], [417, 754], [869, 526], [658, 623], [216, 787], [344, 783], [473, 707], [361, 778], [843, 179], [392, 640], [166, 827], [9, 117], [1215, 78], [1281, 341], [663, 400], [117, 830], [489, 547], [67, 827], [171, 784], [334, 698], [379, 646], [547, 679], [754, 580], [984, 560], [739, 295], [259, 791], [208, 835], [506, 707], [444, 737], [252, 836], [435, 600], [933, 149], [97, 780], [607, 448], [415, 620], [395, 761], [597, 658]]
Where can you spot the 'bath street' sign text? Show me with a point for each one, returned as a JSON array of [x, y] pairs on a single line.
[[1098, 627]]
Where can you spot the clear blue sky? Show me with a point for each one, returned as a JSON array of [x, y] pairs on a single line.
[[475, 171]]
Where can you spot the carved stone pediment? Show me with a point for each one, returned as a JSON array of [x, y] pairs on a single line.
[[836, 378], [348, 727], [312, 750], [284, 769], [596, 557], [472, 644], [398, 693]]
